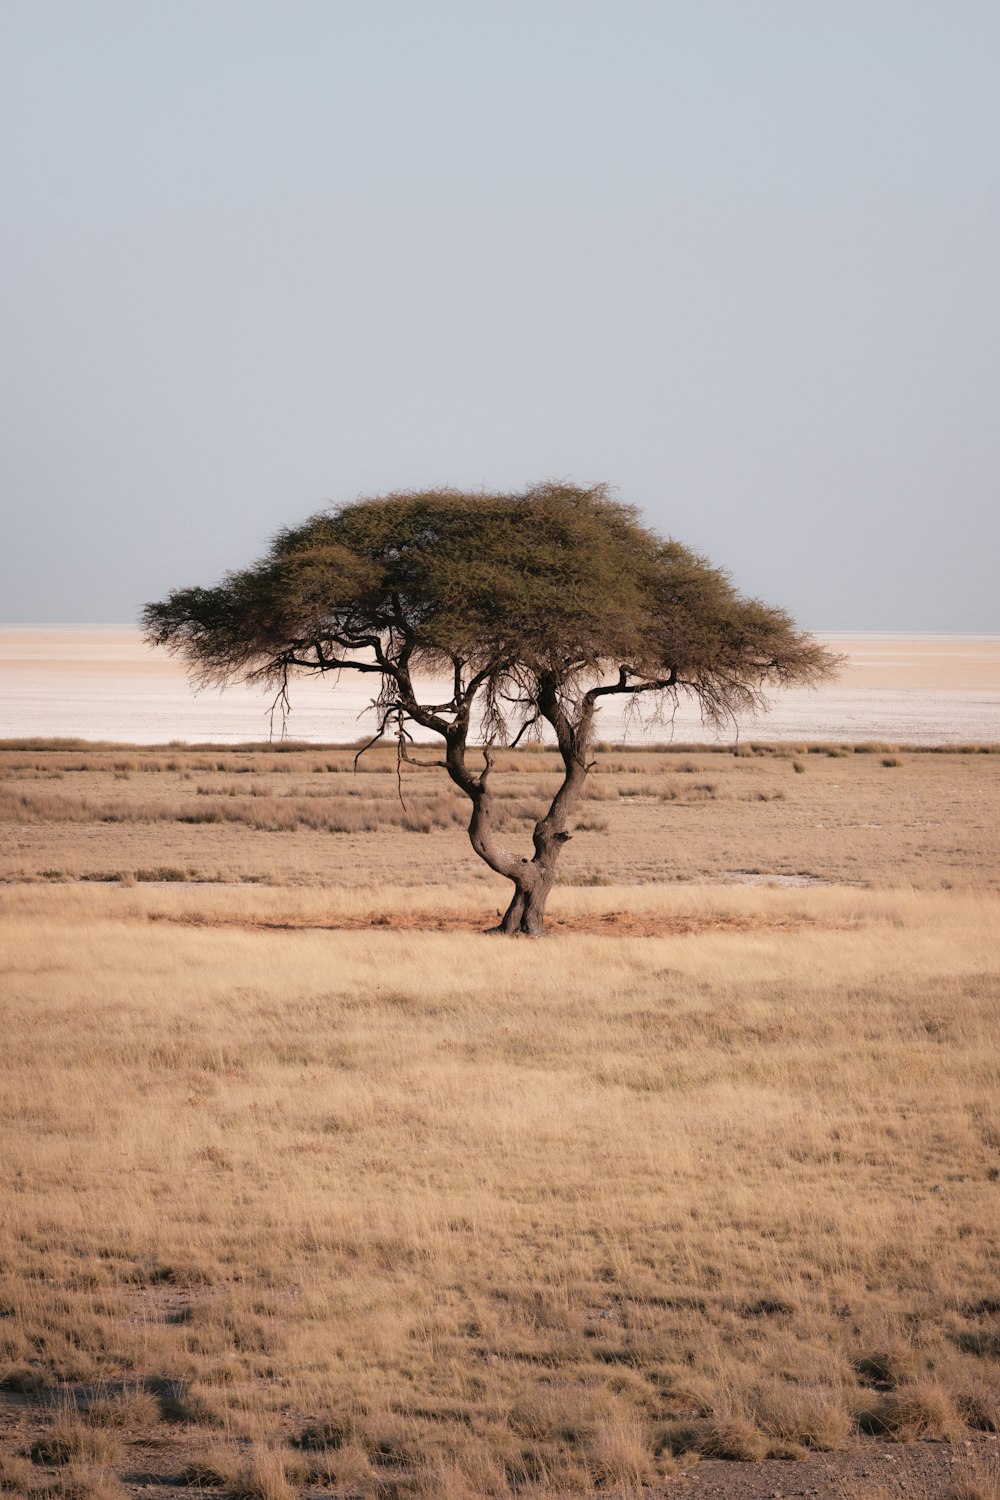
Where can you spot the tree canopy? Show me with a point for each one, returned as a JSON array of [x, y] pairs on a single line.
[[531, 607]]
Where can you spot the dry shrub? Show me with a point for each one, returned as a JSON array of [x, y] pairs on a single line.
[[978, 1404], [68, 1440], [538, 1415], [23, 1381], [16, 1475], [188, 1404], [258, 1475], [618, 1451], [136, 1408], [692, 1393], [389, 1443], [348, 1468], [803, 1416], [43, 807], [262, 1475], [984, 1343], [473, 1472], [333, 1432], [893, 1365], [923, 1409], [151, 804], [732, 1436], [183, 1273], [81, 1482], [440, 1479], [213, 1467]]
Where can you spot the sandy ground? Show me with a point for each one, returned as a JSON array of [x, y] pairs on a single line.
[[101, 682], [924, 820]]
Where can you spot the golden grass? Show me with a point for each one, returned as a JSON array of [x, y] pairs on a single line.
[[430, 1212], [980, 1480]]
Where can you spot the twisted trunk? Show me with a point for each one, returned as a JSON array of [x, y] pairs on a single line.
[[525, 916], [533, 878]]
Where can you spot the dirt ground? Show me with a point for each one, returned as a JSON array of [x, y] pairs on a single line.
[[882, 817], [877, 1471]]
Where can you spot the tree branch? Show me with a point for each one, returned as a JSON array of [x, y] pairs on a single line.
[[649, 685]]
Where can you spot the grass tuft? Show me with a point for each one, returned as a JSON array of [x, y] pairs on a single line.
[[733, 1437], [262, 1475], [213, 1467], [924, 1409], [334, 1432], [619, 1451], [17, 1476], [81, 1482], [23, 1381], [69, 1440], [810, 1417], [125, 1409]]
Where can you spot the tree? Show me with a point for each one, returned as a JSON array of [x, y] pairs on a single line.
[[534, 607]]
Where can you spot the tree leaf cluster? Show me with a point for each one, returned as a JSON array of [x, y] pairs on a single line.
[[558, 583]]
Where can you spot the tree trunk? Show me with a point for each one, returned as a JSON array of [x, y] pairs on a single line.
[[525, 916], [510, 923], [532, 879]]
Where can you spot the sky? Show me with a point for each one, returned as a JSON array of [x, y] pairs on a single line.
[[736, 258]]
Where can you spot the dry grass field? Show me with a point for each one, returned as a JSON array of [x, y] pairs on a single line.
[[861, 816], [312, 1189]]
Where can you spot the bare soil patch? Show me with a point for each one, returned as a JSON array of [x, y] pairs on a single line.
[[874, 1471], [794, 815], [617, 924]]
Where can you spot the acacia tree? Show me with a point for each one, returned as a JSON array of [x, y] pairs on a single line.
[[533, 607]]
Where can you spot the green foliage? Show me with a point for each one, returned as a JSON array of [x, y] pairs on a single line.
[[512, 596]]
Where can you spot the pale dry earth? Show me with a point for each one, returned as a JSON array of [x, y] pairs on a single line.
[[101, 682], [828, 814]]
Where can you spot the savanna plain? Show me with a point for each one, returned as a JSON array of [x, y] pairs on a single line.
[[312, 1188]]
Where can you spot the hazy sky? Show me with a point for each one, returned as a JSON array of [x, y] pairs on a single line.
[[741, 260]]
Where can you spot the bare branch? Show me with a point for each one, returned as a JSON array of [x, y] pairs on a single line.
[[281, 702], [656, 685], [378, 735], [528, 724]]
